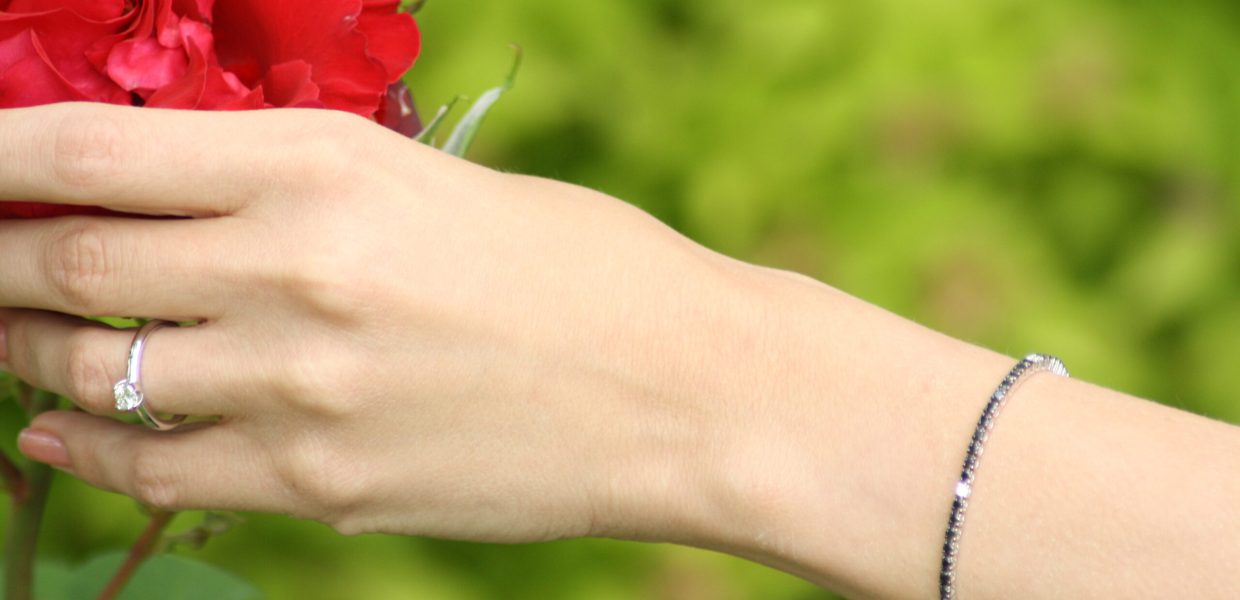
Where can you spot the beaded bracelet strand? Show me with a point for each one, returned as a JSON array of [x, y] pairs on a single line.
[[1034, 363]]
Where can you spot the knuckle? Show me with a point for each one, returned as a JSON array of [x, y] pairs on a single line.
[[86, 373], [333, 151], [321, 277], [26, 363], [79, 265], [323, 479], [318, 386], [327, 286], [350, 526], [86, 148], [153, 482]]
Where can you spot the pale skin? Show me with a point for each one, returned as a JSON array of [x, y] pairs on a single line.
[[398, 341]]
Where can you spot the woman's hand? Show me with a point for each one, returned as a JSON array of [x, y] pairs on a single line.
[[398, 341], [395, 340]]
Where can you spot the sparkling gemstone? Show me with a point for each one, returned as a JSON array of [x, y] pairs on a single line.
[[128, 398], [963, 489]]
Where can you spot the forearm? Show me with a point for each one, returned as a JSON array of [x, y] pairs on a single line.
[[848, 431]]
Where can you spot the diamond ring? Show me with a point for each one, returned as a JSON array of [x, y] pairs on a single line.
[[128, 391]]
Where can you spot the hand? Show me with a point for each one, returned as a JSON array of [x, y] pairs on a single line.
[[395, 340], [399, 341]]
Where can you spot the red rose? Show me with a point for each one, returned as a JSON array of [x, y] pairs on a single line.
[[207, 55]]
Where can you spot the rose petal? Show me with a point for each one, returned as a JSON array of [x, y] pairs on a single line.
[[323, 33], [65, 38], [199, 10], [392, 39], [34, 210], [95, 10], [289, 84], [27, 77], [145, 65], [205, 86]]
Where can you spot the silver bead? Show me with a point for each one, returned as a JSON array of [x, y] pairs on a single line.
[[1031, 364]]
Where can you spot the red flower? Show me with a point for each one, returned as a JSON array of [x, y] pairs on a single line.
[[207, 55]]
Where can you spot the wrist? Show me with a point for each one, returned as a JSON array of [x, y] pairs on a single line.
[[827, 445]]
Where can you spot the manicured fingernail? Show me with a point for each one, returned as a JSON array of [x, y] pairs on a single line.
[[43, 447]]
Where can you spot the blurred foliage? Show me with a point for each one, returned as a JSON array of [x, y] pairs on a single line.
[[1024, 174], [164, 577]]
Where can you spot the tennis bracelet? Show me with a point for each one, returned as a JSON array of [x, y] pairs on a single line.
[[1034, 363]]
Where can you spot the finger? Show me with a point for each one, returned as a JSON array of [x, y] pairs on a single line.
[[184, 370], [213, 467], [116, 266], [152, 161]]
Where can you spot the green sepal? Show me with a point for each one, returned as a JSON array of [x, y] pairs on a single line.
[[411, 6], [427, 135], [467, 129]]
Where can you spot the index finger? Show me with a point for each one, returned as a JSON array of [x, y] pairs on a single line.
[[143, 160]]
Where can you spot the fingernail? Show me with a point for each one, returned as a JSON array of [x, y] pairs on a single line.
[[43, 447], [4, 344]]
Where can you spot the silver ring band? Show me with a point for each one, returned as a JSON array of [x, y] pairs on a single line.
[[128, 391]]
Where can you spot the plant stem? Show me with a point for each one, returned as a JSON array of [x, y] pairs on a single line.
[[142, 549], [25, 396], [27, 516], [14, 479], [23, 534]]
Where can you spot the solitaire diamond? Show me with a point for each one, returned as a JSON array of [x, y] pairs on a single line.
[[963, 489], [128, 398]]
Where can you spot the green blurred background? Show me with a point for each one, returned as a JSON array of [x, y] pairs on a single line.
[[1025, 174]]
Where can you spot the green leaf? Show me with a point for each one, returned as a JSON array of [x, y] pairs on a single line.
[[166, 577], [463, 136], [51, 580], [427, 135]]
